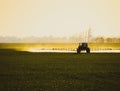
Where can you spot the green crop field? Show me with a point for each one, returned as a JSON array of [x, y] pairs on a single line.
[[24, 71]]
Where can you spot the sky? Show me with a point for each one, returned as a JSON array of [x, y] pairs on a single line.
[[23, 18]]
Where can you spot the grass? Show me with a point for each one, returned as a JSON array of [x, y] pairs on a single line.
[[23, 71]]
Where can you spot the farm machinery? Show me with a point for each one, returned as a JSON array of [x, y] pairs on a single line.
[[83, 47]]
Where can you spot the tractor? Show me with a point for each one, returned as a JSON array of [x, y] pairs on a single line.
[[82, 47]]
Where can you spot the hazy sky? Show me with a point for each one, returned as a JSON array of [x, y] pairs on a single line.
[[59, 17]]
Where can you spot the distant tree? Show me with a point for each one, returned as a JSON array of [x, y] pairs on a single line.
[[119, 40], [109, 40], [99, 40]]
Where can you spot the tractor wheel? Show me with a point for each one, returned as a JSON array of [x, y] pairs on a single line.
[[88, 50], [78, 51]]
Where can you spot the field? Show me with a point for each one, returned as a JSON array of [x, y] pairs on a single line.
[[24, 71], [59, 46]]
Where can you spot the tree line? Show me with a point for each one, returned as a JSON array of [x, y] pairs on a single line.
[[52, 39]]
